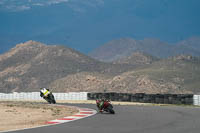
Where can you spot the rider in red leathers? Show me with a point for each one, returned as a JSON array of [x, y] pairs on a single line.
[[100, 104]]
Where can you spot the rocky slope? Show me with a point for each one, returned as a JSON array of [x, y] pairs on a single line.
[[137, 58], [32, 65], [178, 74]]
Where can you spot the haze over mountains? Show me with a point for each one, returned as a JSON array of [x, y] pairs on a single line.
[[32, 65]]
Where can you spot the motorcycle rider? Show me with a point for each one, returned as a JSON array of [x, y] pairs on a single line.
[[44, 92], [100, 103], [47, 95]]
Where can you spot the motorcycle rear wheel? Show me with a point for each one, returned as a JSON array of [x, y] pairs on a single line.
[[111, 110]]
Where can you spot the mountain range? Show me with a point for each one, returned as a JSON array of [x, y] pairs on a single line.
[[31, 65], [86, 24], [123, 47]]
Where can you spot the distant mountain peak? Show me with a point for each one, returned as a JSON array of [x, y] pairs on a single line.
[[194, 38], [136, 58], [30, 43], [125, 39], [153, 40], [192, 41], [24, 49], [124, 47]]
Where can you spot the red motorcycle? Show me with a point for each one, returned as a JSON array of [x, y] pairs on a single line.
[[107, 106]]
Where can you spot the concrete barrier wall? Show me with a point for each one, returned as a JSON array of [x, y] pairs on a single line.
[[145, 98], [36, 96], [196, 99]]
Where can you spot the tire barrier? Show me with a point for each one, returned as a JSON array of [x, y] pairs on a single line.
[[145, 98]]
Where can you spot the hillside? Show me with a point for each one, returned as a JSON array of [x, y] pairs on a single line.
[[179, 74], [192, 42], [136, 58], [32, 65], [124, 47]]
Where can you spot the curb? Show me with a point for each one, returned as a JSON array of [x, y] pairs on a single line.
[[83, 113]]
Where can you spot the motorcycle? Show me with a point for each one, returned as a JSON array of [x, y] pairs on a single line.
[[107, 106], [50, 98]]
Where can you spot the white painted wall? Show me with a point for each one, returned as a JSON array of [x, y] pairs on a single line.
[[36, 96], [196, 99]]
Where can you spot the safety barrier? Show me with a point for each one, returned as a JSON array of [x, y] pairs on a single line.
[[138, 97], [145, 98], [196, 99], [36, 96]]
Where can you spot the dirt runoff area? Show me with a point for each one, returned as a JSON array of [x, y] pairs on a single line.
[[19, 115]]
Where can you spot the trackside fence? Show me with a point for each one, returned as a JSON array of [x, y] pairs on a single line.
[[188, 99], [36, 96]]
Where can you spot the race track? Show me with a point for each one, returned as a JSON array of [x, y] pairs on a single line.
[[131, 119]]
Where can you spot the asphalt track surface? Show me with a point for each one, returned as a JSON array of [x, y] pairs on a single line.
[[131, 119]]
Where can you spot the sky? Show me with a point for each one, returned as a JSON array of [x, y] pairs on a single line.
[[87, 24]]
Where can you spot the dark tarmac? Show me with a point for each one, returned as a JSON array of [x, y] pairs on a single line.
[[131, 119]]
